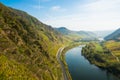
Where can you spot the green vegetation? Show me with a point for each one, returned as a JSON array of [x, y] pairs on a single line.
[[114, 47], [28, 45], [107, 54], [101, 55], [77, 35], [11, 70]]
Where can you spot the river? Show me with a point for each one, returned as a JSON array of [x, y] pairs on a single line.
[[81, 69]]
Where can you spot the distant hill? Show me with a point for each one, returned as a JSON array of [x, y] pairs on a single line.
[[114, 36], [102, 34], [64, 30], [87, 34], [77, 35], [28, 47]]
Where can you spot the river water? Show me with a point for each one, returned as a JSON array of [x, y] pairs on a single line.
[[81, 69]]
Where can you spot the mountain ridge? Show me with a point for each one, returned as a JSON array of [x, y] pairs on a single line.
[[114, 36], [85, 35]]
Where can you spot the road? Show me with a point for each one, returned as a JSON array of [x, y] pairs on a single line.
[[61, 63], [116, 57]]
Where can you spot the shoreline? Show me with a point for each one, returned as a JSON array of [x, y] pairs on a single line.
[[112, 70], [102, 65], [63, 57]]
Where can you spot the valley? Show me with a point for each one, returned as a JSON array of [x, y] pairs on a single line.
[[33, 50], [81, 68], [105, 54]]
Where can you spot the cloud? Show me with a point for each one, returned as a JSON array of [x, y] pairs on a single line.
[[96, 15], [102, 5], [77, 22], [57, 8]]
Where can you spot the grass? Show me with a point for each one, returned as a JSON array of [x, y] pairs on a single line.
[[102, 55], [98, 47], [11, 70], [114, 47]]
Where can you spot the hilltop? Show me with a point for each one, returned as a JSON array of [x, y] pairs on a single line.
[[77, 35]]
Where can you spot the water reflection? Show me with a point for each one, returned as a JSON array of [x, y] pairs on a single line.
[[81, 69]]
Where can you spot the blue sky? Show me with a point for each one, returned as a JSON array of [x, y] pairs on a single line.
[[90, 15]]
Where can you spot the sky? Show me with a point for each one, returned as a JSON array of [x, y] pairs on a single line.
[[89, 15]]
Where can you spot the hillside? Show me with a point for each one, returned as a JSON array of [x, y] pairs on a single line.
[[77, 35], [25, 47], [64, 30], [102, 34], [105, 55], [114, 36]]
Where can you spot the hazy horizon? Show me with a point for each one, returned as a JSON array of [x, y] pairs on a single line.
[[88, 15], [88, 30]]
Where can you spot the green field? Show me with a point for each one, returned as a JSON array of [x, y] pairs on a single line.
[[114, 47], [104, 55]]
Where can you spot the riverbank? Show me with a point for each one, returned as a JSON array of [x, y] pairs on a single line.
[[62, 57], [65, 76], [102, 57]]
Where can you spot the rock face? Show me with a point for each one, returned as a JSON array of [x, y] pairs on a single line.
[[29, 46]]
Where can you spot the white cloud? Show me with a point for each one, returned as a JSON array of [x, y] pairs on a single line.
[[102, 5], [97, 15], [55, 8]]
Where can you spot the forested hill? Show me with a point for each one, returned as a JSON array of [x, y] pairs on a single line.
[[27, 47], [85, 35], [114, 36]]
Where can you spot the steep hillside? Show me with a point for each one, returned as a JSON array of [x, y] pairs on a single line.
[[114, 36], [77, 35], [27, 42]]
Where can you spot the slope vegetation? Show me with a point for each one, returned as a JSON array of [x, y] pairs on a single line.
[[77, 35], [104, 55], [28, 42]]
